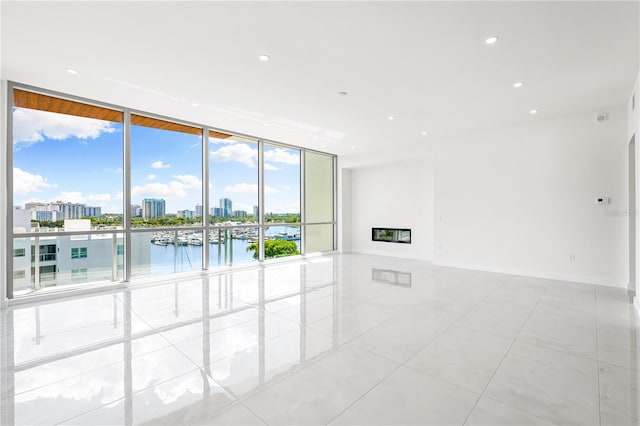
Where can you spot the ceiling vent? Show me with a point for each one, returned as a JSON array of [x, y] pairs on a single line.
[[602, 117]]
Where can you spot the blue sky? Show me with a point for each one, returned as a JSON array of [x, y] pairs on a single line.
[[76, 159]]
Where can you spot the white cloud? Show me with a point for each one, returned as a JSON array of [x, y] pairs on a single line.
[[159, 165], [159, 190], [70, 197], [241, 153], [268, 166], [281, 155], [226, 141], [151, 177], [35, 200], [174, 189], [189, 181], [242, 206], [247, 187], [25, 182], [31, 126], [245, 154], [99, 197]]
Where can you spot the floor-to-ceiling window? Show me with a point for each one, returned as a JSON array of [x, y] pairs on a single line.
[[67, 180], [166, 196], [233, 199], [319, 202], [281, 201], [105, 194]]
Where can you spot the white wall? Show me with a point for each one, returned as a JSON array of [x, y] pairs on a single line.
[[394, 195], [522, 199]]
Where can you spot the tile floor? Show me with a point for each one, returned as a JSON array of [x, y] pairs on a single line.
[[321, 342]]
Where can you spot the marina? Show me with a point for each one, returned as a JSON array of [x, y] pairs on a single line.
[[181, 251]]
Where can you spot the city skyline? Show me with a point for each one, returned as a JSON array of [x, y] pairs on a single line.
[[50, 164], [136, 209]]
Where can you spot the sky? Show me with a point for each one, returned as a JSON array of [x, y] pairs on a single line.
[[77, 159]]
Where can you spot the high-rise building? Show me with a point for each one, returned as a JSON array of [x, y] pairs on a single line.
[[225, 205], [92, 211], [240, 213], [153, 207], [198, 210], [136, 210], [186, 213], [44, 215], [256, 211], [36, 206], [61, 210], [71, 210], [217, 212]]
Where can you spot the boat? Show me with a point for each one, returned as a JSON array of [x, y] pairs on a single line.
[[161, 241], [287, 236], [195, 241]]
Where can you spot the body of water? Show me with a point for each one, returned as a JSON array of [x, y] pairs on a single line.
[[173, 258]]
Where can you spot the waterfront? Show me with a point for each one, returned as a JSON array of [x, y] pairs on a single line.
[[188, 257]]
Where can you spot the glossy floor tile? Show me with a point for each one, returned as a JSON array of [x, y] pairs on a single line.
[[408, 397], [340, 339], [461, 356]]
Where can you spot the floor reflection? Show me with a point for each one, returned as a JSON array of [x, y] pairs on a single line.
[[171, 353], [344, 339]]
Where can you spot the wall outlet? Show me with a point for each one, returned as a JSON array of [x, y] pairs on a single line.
[[572, 257]]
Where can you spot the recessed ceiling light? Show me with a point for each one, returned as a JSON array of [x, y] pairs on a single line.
[[266, 124], [518, 84], [353, 147], [195, 104], [533, 111], [264, 58], [424, 133], [391, 117], [71, 71], [342, 93], [491, 40]]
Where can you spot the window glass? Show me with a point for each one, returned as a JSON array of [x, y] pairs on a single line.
[[52, 180], [318, 190], [166, 173], [52, 259], [282, 201], [232, 246], [165, 252], [318, 238], [281, 184], [79, 253], [233, 179]]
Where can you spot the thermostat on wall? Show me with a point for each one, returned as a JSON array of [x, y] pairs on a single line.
[[602, 201]]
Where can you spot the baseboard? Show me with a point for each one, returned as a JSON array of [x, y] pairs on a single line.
[[583, 279]]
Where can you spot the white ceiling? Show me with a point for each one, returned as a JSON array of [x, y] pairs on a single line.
[[425, 63]]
